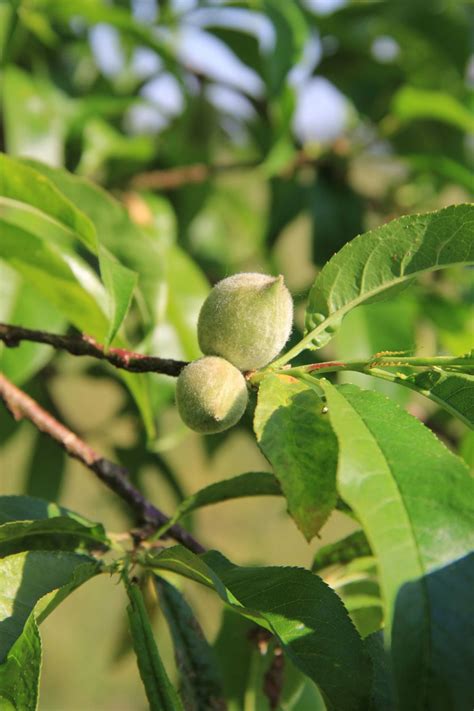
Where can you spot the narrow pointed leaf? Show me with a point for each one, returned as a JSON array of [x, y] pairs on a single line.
[[20, 672], [387, 258], [298, 441], [120, 283], [415, 500], [160, 692], [249, 484], [306, 616], [200, 685]]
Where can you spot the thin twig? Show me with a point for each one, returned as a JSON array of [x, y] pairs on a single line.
[[83, 345], [20, 405], [172, 178]]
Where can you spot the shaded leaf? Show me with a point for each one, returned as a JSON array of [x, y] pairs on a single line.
[[233, 649], [415, 500], [382, 694], [306, 616], [45, 471], [300, 444], [59, 533], [20, 672], [387, 258], [200, 684], [343, 551], [160, 693], [23, 508]]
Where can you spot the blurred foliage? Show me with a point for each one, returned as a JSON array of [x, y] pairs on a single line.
[[259, 135]]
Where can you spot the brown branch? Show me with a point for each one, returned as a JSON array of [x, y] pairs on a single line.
[[86, 346], [172, 178], [20, 405]]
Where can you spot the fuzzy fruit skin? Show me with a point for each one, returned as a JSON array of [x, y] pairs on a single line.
[[246, 319], [211, 395]]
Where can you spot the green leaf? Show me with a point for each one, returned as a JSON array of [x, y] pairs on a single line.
[[23, 305], [233, 649], [374, 328], [382, 694], [56, 278], [386, 258], [120, 283], [60, 533], [20, 183], [32, 201], [186, 289], [291, 31], [453, 391], [249, 484], [63, 279], [343, 551], [101, 142], [44, 111], [200, 684], [27, 577], [415, 501], [160, 693], [20, 672], [23, 508], [306, 616], [451, 170], [299, 442], [412, 103], [132, 246], [46, 469], [8, 11], [171, 285]]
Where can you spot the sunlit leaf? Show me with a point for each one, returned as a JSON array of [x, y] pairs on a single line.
[[412, 103], [387, 258], [415, 501], [299, 442]]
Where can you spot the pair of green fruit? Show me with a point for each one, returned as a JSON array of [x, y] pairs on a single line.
[[243, 325]]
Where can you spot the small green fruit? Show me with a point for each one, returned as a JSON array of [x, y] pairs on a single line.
[[211, 395], [246, 319]]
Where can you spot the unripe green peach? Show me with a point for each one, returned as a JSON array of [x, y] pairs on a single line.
[[211, 395], [246, 319]]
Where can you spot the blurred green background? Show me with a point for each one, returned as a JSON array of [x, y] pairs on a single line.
[[259, 135]]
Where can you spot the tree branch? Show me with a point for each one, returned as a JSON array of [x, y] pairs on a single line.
[[86, 346], [172, 178], [20, 405]]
